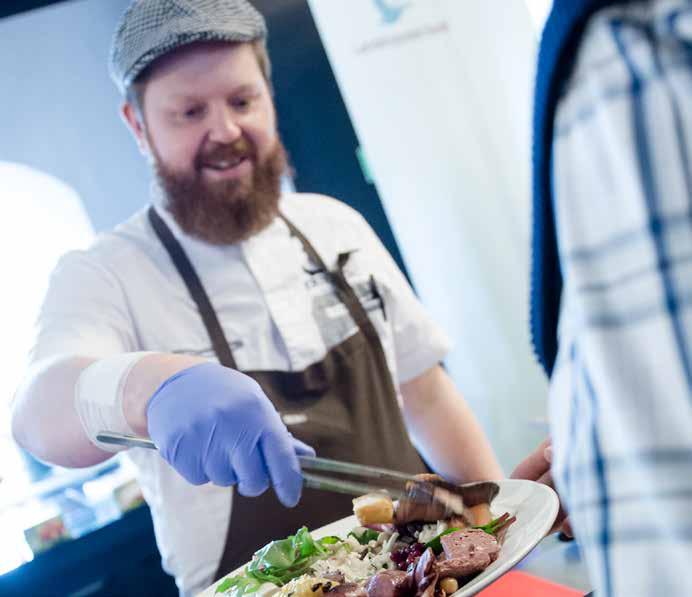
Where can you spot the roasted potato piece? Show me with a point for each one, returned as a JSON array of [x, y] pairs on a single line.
[[374, 508], [480, 513]]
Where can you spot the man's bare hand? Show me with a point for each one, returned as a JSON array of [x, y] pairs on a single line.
[[536, 467]]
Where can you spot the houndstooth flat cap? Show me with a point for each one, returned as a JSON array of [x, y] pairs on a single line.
[[151, 28]]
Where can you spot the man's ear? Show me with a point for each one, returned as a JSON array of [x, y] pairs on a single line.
[[131, 117]]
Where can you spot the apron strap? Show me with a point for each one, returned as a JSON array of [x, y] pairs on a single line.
[[255, 521], [211, 322], [346, 293], [195, 288]]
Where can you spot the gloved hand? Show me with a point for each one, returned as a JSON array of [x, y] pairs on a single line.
[[215, 424]]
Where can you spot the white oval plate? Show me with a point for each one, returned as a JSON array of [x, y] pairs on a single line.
[[535, 506]]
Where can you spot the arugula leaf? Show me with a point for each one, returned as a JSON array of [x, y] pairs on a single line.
[[497, 524]]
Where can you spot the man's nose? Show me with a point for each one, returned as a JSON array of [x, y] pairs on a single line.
[[224, 128]]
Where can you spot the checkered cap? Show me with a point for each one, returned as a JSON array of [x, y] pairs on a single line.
[[151, 28]]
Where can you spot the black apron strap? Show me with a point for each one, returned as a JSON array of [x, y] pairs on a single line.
[[195, 288], [359, 372], [211, 322], [346, 293]]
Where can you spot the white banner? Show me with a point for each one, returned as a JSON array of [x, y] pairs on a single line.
[[439, 94]]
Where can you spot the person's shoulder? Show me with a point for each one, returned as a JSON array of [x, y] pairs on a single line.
[[321, 210], [114, 249]]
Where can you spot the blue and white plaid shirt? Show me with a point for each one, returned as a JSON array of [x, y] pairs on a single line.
[[621, 394]]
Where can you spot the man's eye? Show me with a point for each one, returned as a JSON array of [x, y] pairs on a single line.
[[193, 112], [241, 103]]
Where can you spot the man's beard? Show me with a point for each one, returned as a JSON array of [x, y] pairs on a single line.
[[226, 211]]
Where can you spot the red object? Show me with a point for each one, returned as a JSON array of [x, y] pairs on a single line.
[[520, 584]]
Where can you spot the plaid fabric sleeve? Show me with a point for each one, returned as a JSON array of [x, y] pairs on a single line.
[[621, 394]]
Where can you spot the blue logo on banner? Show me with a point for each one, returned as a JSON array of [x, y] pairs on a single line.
[[391, 12]]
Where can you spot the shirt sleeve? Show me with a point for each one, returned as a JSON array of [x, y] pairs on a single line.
[[419, 342], [84, 312], [621, 393]]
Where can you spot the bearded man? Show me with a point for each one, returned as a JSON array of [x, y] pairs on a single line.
[[236, 326]]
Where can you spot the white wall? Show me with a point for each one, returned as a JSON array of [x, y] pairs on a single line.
[[44, 219], [59, 108], [539, 10], [440, 98]]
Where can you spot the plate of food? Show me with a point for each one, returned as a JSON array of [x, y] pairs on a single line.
[[391, 549]]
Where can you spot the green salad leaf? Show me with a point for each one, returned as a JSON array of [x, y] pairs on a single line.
[[240, 585], [435, 544], [497, 524], [279, 562], [491, 528], [365, 536]]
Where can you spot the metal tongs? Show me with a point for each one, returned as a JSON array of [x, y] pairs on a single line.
[[373, 480]]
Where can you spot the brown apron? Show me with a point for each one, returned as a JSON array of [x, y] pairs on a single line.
[[347, 403]]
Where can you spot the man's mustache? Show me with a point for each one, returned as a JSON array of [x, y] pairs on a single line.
[[241, 148]]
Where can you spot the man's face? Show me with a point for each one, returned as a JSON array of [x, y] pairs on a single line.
[[210, 126]]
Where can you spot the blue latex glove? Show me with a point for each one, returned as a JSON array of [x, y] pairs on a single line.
[[215, 424]]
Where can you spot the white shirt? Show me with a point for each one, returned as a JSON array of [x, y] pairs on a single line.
[[621, 393], [124, 295]]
